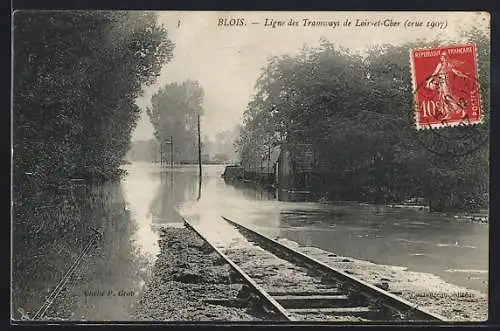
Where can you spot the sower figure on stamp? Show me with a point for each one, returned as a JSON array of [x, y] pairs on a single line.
[[440, 80]]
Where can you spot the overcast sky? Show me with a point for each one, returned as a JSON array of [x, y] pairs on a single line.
[[227, 60]]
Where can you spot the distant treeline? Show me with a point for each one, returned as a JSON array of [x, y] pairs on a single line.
[[216, 151], [143, 151], [356, 112], [76, 77]]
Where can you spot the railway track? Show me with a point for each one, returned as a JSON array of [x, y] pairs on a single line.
[[61, 285], [292, 286]]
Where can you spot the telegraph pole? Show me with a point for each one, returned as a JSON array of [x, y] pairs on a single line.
[[153, 150], [172, 152], [199, 147], [161, 152], [269, 163], [199, 157]]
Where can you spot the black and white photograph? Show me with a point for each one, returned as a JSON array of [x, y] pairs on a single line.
[[259, 166]]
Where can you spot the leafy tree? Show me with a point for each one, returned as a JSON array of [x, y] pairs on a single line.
[[76, 77], [449, 181], [357, 113]]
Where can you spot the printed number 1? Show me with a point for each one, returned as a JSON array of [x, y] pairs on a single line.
[[429, 108]]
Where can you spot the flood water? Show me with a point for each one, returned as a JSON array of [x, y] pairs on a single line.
[[456, 250], [51, 231]]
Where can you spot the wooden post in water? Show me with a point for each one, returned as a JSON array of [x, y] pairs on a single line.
[[153, 147], [162, 152], [172, 152], [268, 173]]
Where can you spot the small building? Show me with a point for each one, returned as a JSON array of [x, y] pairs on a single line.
[[268, 169], [294, 172], [286, 168], [262, 169], [233, 173]]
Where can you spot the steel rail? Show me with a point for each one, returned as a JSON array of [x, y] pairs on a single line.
[[369, 291], [57, 290], [53, 295], [281, 312]]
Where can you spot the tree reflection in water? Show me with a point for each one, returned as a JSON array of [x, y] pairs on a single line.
[[50, 230], [253, 191], [177, 186]]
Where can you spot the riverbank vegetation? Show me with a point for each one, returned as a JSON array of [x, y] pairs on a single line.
[[76, 77], [356, 112]]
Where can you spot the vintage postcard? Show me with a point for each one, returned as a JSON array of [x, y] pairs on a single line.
[[187, 166]]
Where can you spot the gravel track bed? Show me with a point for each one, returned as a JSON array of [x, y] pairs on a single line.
[[428, 291], [275, 274], [271, 272], [455, 303], [186, 273]]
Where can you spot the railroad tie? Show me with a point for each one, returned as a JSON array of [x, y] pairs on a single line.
[[338, 311], [350, 296], [313, 301]]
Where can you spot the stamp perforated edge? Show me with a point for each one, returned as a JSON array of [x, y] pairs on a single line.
[[415, 86]]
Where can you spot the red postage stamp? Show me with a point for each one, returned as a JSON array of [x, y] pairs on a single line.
[[445, 81]]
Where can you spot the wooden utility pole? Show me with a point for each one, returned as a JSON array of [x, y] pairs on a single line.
[[161, 152], [171, 151], [269, 163], [199, 157], [199, 147], [153, 153]]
